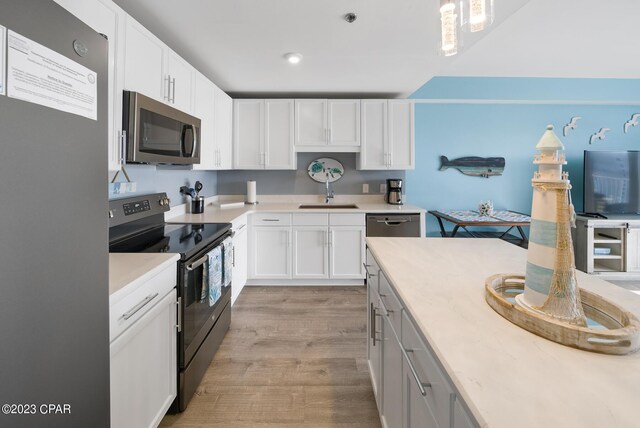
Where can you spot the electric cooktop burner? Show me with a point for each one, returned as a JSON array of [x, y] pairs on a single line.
[[185, 239]]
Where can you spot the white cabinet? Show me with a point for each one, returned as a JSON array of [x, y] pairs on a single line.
[[388, 138], [144, 59], [180, 75], [411, 387], [347, 252], [108, 19], [240, 257], [223, 129], [263, 134], [153, 69], [327, 125], [204, 109], [143, 350], [609, 248], [214, 108], [310, 255], [391, 375], [270, 246]]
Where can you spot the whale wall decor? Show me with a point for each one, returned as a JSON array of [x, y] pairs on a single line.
[[474, 166]]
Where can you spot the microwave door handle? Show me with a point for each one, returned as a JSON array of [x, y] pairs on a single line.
[[182, 138], [195, 140]]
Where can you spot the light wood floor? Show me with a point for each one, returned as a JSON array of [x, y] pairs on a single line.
[[294, 356]]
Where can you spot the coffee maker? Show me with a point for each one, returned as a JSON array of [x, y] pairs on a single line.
[[394, 191]]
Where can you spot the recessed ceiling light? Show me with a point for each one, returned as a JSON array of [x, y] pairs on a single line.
[[293, 57]]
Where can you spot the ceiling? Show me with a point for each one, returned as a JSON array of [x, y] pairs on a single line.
[[391, 49]]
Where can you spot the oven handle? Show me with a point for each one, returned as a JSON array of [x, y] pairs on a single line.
[[197, 263]]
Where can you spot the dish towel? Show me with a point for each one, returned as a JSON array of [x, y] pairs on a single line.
[[215, 274], [227, 260]]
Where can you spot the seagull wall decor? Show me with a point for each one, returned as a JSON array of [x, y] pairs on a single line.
[[631, 122], [598, 135], [573, 124]]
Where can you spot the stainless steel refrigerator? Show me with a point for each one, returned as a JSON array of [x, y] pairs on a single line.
[[54, 349]]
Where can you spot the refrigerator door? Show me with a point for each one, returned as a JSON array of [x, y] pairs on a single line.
[[53, 237]]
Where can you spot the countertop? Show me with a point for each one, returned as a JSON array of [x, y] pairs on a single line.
[[507, 376], [128, 269], [214, 214]]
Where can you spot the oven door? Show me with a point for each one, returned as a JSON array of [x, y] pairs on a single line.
[[158, 133], [198, 317]]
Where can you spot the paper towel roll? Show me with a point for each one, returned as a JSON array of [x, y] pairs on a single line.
[[251, 192]]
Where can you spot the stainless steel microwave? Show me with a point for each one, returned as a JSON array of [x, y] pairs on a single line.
[[159, 134]]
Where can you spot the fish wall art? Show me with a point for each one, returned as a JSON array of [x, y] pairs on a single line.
[[474, 166]]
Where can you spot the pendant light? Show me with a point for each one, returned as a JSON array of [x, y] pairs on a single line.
[[480, 15], [449, 27]]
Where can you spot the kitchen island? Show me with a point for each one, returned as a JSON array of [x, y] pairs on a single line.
[[506, 376]]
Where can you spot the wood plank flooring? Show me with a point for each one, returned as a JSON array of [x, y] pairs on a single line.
[[294, 357]]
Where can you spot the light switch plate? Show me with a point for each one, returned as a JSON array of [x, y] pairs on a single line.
[[365, 187]]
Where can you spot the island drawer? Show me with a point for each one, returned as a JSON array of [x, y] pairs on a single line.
[[372, 272], [271, 219], [391, 303], [440, 394]]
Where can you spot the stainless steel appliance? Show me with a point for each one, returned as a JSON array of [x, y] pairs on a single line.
[[157, 133], [394, 191], [393, 225], [54, 312], [137, 224]]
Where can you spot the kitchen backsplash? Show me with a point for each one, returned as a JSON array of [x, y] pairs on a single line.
[[298, 182], [150, 179]]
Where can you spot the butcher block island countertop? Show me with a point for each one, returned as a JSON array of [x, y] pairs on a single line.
[[507, 376]]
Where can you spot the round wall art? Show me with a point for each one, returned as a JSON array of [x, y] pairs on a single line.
[[324, 169]]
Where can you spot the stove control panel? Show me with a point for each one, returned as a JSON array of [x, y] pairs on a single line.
[[136, 207]]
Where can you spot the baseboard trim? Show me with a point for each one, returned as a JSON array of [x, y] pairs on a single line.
[[306, 282]]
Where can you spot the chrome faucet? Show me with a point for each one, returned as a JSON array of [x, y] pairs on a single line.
[[330, 192]]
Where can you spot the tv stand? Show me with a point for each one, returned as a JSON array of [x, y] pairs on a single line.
[[608, 247]]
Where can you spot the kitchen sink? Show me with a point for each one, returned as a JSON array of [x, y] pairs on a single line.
[[328, 206]]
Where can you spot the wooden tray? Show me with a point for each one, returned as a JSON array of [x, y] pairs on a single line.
[[618, 334]]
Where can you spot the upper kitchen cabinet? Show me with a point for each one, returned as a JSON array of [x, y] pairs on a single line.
[[214, 108], [223, 119], [108, 19], [327, 125], [153, 69], [387, 135], [263, 134]]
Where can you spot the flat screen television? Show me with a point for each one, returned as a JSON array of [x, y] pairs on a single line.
[[612, 182]]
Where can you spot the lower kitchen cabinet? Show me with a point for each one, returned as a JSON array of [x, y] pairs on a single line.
[[310, 255], [411, 388], [391, 375], [270, 252], [143, 365], [240, 257], [317, 246]]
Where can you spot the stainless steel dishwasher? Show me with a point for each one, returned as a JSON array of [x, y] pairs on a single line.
[[393, 225]]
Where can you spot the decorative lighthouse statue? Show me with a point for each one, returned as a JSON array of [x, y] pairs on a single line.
[[550, 283]]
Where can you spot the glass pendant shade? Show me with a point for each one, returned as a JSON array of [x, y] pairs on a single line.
[[449, 27], [480, 15]]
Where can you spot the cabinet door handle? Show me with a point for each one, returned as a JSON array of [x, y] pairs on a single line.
[[131, 312], [168, 96], [329, 135], [414, 373], [369, 275], [173, 97]]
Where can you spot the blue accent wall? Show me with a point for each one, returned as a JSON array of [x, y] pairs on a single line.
[[510, 130]]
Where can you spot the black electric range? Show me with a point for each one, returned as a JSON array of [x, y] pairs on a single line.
[[136, 225]]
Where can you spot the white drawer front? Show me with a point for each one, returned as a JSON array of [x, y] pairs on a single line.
[[439, 393], [391, 303], [271, 219], [346, 219], [239, 224], [316, 219], [128, 310]]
